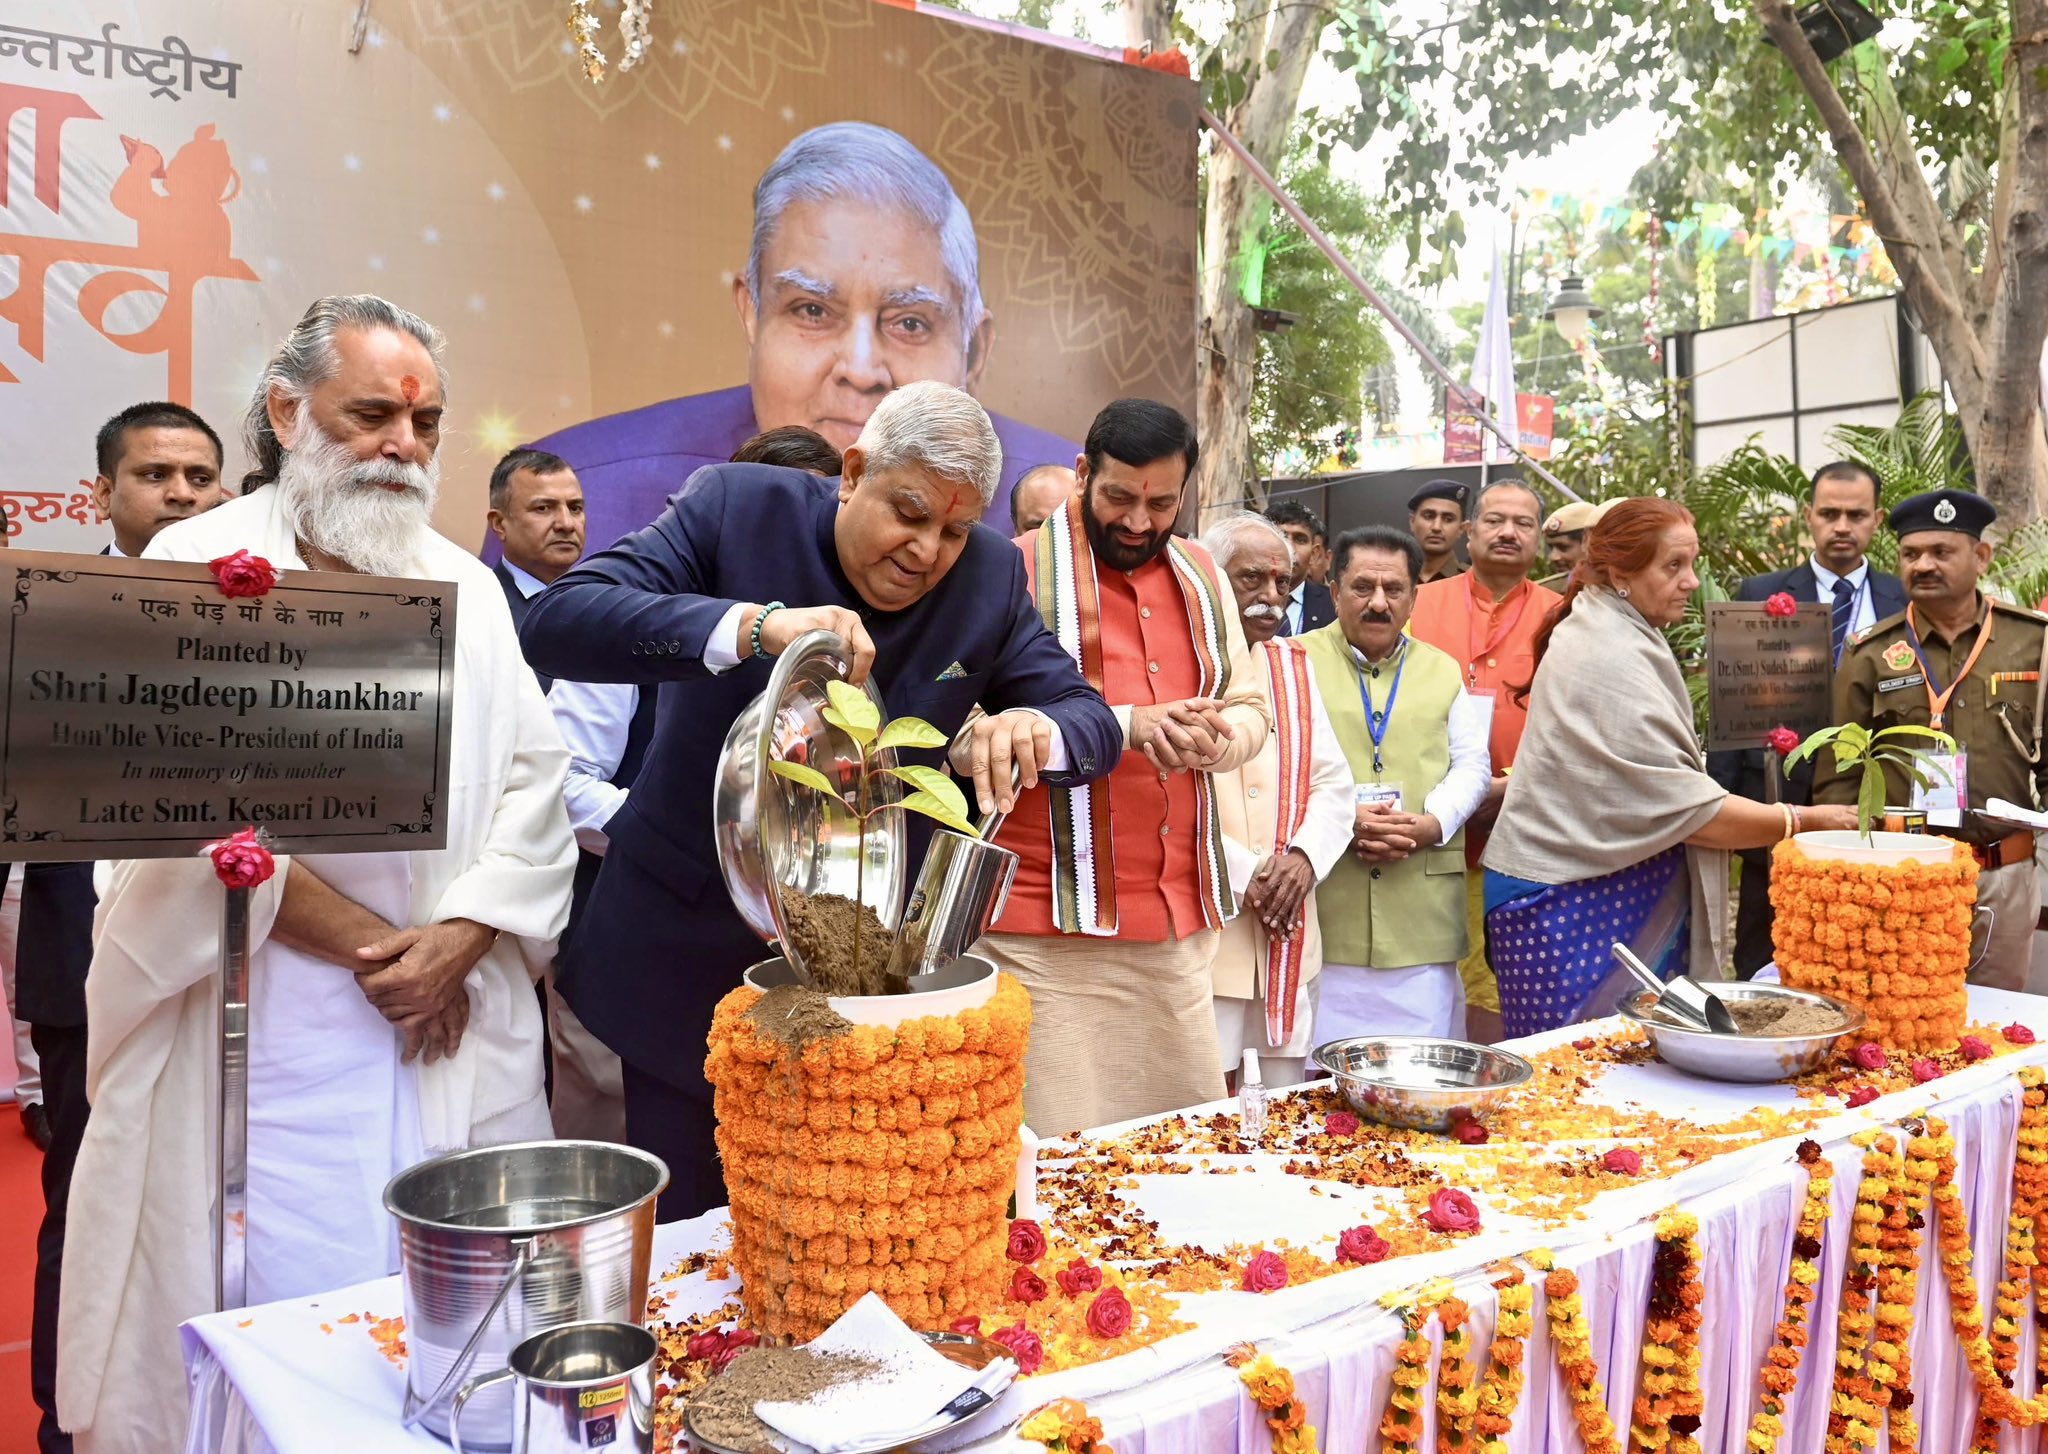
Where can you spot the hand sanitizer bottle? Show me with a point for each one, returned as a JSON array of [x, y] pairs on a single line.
[[1251, 1098]]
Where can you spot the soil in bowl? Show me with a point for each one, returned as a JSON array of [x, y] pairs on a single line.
[[794, 1016], [723, 1410], [1783, 1017], [821, 934]]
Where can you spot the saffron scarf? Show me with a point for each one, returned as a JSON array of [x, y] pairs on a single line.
[[1293, 718], [1083, 847]]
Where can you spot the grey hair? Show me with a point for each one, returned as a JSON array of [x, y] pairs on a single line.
[[1225, 537], [934, 426], [875, 165], [307, 358]]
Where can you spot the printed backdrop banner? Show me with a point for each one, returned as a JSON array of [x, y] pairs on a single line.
[[180, 178]]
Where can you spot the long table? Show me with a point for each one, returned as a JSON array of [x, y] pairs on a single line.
[[306, 1376]]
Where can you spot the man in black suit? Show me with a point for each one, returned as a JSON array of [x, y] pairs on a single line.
[[694, 603], [537, 515], [158, 463], [1308, 603], [1843, 513]]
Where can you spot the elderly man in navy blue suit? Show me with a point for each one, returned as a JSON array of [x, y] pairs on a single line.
[[891, 558], [1844, 513]]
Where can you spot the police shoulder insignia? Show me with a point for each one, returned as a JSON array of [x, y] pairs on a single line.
[[1898, 656]]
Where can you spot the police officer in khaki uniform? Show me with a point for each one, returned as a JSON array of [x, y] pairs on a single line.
[[1564, 541], [1973, 668]]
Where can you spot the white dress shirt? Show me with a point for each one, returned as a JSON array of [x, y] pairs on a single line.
[[1465, 785], [1864, 614], [1297, 603], [594, 719]]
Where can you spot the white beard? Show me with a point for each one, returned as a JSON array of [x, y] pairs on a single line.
[[344, 506]]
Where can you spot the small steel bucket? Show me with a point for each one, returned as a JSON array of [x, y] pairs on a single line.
[[583, 1386], [960, 891], [503, 1242]]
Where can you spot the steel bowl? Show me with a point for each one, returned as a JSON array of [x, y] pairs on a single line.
[[1418, 1082], [1752, 1059], [771, 831]]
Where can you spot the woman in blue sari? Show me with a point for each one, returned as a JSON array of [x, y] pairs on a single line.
[[1611, 829]]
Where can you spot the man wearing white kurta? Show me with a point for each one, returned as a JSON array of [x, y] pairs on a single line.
[[1286, 817], [1394, 921], [392, 1013]]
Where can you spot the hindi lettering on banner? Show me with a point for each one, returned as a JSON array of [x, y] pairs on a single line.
[[1765, 672], [1464, 435], [145, 716]]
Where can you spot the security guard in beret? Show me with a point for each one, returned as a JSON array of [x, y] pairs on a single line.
[[1436, 517], [1977, 670], [1564, 541]]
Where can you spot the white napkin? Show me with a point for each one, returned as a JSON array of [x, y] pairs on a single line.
[[906, 1393]]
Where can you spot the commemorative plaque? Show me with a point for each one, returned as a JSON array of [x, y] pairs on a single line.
[[1766, 671], [147, 715]]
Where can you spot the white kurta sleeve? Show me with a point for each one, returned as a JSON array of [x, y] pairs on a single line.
[[520, 880], [1326, 830], [1455, 799]]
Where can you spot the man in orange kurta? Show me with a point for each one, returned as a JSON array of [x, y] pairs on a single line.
[[1488, 619], [1121, 890]]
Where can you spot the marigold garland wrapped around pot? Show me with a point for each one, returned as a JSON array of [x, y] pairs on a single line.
[[1891, 938], [881, 1159]]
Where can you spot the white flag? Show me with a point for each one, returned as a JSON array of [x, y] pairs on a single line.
[[1493, 366]]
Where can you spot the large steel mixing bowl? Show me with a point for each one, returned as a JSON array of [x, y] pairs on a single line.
[[1418, 1082], [771, 831]]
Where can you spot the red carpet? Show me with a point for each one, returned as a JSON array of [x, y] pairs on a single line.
[[21, 1212]]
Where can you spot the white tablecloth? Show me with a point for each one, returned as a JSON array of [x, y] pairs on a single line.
[[291, 1377]]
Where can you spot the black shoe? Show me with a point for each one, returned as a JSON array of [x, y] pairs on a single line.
[[35, 1121]]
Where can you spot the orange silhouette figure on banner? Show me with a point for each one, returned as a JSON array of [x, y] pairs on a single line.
[[182, 232]]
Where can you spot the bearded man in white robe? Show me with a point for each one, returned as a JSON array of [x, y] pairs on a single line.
[[392, 1013]]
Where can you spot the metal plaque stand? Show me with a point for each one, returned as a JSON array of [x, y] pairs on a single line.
[[231, 1231]]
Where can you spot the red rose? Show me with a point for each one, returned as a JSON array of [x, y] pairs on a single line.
[[705, 1346], [243, 574], [1470, 1132], [1783, 740], [1078, 1277], [1863, 1095], [1623, 1161], [1023, 1345], [1340, 1123], [2017, 1034], [1362, 1245], [241, 861], [736, 1343], [1027, 1241], [966, 1327], [1870, 1055], [1109, 1316], [1781, 606], [1974, 1048], [1027, 1287], [1925, 1070], [1266, 1272], [1450, 1210]]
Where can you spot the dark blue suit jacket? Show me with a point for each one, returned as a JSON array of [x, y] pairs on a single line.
[[660, 941], [1743, 772], [1318, 608]]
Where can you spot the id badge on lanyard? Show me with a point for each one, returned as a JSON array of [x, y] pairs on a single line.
[[1946, 792], [1368, 795]]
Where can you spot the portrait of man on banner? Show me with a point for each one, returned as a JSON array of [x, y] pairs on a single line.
[[863, 274]]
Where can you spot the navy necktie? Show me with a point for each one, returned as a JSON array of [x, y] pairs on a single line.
[[1844, 615], [1287, 619]]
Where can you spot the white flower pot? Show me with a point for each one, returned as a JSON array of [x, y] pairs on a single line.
[[968, 983], [1849, 846]]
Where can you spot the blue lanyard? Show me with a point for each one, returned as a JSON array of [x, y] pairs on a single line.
[[1376, 723]]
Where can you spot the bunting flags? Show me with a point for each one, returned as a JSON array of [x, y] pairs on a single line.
[[1837, 241]]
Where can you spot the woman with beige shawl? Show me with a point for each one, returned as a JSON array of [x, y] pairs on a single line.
[[1611, 829]]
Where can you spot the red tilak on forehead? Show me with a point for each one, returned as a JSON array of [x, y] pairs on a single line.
[[410, 387]]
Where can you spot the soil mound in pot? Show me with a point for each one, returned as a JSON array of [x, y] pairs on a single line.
[[796, 1017], [821, 930]]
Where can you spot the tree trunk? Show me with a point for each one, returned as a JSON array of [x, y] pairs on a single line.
[[1148, 22], [1986, 329]]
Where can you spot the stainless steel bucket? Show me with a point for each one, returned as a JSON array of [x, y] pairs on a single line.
[[503, 1242], [960, 892]]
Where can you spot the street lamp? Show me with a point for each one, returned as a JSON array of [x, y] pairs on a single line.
[[1573, 309]]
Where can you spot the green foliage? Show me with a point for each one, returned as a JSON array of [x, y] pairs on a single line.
[[1857, 747], [852, 711], [1311, 379]]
